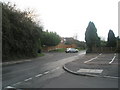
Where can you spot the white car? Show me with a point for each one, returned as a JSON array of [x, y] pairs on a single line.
[[71, 50]]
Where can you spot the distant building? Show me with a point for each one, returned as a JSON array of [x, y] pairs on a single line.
[[65, 43]]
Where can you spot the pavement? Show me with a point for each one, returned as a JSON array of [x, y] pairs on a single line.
[[15, 62], [95, 65]]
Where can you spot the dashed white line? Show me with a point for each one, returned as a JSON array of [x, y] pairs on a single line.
[[46, 72], [17, 83], [28, 79], [38, 75], [112, 60], [35, 76], [10, 87]]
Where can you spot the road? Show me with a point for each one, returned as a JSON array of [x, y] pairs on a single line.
[[47, 72]]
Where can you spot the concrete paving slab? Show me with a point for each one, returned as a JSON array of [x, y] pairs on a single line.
[[90, 70]]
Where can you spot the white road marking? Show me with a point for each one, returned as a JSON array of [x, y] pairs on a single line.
[[112, 60], [111, 77], [31, 78], [10, 87], [92, 59], [17, 83], [38, 75], [46, 72], [28, 79], [90, 70]]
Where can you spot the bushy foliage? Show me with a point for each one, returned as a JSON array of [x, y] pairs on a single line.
[[103, 43], [20, 35], [50, 39], [80, 44]]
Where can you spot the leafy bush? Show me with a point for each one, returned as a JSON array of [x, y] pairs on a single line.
[[20, 35], [50, 38]]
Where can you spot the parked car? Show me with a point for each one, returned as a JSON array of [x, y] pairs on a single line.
[[71, 50]]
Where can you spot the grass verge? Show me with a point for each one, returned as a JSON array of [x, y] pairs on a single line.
[[40, 54], [58, 50]]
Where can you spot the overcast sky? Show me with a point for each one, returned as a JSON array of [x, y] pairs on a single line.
[[71, 17]]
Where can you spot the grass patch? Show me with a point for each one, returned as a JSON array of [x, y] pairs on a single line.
[[40, 54], [58, 50]]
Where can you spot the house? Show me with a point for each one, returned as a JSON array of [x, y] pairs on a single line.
[[65, 43]]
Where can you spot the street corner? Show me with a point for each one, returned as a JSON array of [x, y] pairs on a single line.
[[103, 65], [68, 69], [83, 71], [78, 68]]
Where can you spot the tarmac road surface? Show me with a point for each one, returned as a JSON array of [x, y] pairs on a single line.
[[48, 72]]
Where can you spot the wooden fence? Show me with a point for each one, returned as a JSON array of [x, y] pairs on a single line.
[[104, 49]]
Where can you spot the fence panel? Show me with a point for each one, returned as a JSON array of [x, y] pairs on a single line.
[[104, 49]]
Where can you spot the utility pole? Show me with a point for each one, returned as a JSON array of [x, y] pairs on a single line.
[[75, 36]]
